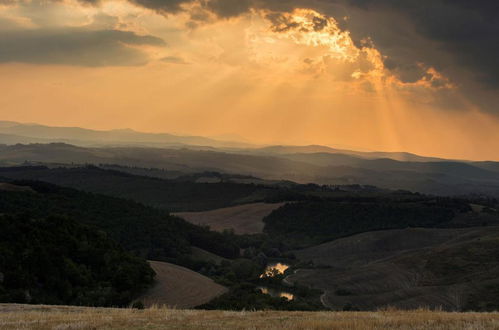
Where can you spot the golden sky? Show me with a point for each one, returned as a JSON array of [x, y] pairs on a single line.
[[289, 77]]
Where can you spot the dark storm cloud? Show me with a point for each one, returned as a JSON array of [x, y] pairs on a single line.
[[468, 30], [281, 23], [229, 8], [222, 8], [13, 2], [73, 46], [447, 34], [162, 6]]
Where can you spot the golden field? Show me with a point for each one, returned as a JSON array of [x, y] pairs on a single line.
[[59, 318]]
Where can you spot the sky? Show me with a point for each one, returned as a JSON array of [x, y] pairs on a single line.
[[390, 75]]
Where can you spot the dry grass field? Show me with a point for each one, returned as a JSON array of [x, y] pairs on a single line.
[[244, 219], [180, 287], [59, 318]]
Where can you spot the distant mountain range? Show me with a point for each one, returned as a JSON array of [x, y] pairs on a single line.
[[187, 155], [13, 132], [318, 149]]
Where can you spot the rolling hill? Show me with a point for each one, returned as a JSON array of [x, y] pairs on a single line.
[[430, 177], [453, 269], [363, 247], [318, 149], [20, 132], [56, 260], [169, 195], [179, 287], [243, 219], [145, 231]]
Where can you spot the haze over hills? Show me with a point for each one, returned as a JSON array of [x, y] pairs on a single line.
[[324, 202], [87, 137], [435, 177], [14, 132], [318, 149]]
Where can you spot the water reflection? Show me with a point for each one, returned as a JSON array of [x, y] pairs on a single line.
[[274, 269], [277, 293]]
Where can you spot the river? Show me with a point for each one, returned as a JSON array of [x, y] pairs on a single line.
[[271, 270]]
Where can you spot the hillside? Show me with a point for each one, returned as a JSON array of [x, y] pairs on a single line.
[[179, 287], [429, 176], [145, 231], [50, 317], [243, 219], [171, 195], [455, 269], [308, 222], [366, 248], [318, 149], [56, 260]]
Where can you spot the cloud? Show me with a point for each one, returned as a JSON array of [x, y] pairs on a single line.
[[229, 8], [221, 8], [162, 6], [466, 30], [457, 38], [76, 46], [14, 2], [174, 60]]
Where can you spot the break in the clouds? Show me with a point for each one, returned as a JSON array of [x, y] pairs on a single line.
[[466, 30], [455, 38]]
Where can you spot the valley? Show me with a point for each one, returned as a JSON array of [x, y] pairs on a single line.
[[249, 164], [344, 248], [212, 222]]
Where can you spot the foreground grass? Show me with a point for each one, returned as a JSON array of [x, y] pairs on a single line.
[[59, 318]]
